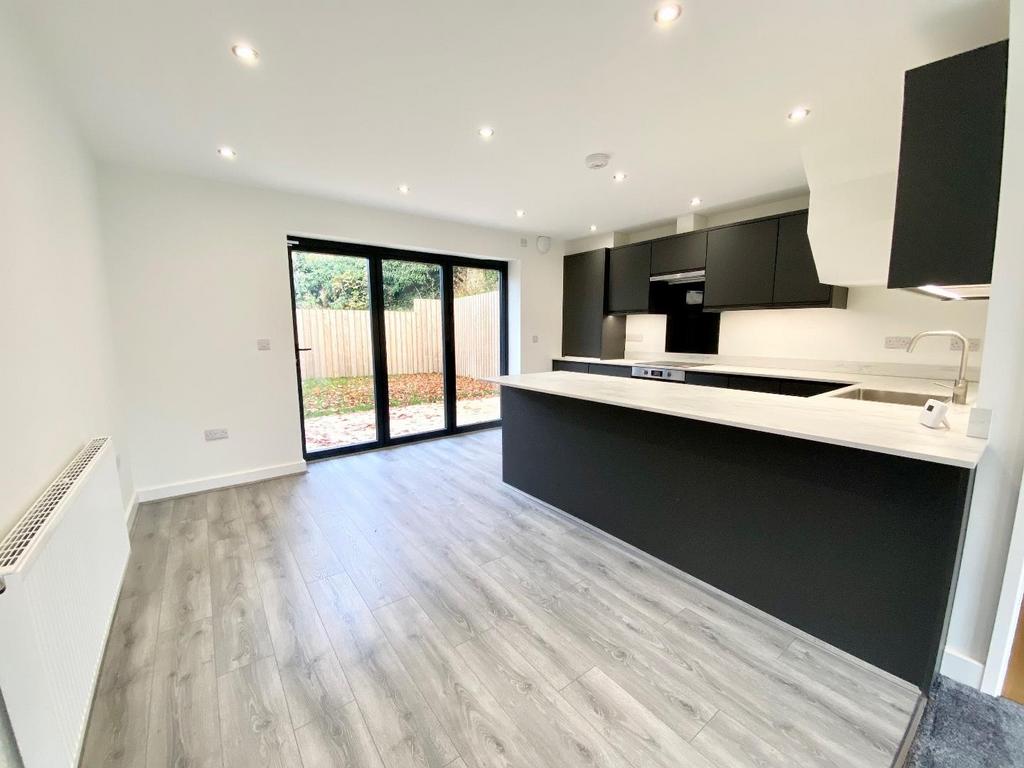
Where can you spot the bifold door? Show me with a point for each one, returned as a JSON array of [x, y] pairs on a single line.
[[393, 346]]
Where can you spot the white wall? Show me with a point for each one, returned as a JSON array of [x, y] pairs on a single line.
[[994, 508], [57, 387], [199, 270], [54, 325], [856, 333]]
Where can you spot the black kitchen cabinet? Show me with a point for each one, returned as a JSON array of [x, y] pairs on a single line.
[[624, 371], [586, 330], [629, 278], [796, 276], [681, 253], [570, 365], [951, 153], [707, 379], [598, 369], [755, 383], [770, 384], [741, 265], [805, 388]]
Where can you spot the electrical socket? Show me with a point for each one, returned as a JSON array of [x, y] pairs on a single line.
[[220, 433], [523, 242], [897, 342], [263, 345], [973, 345]]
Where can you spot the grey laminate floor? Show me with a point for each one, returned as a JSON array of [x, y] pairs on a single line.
[[404, 609]]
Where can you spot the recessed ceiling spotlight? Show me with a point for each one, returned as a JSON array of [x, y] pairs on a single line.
[[246, 53], [798, 114], [403, 188], [667, 13], [620, 176], [695, 201], [593, 227], [227, 153], [486, 132], [520, 213]]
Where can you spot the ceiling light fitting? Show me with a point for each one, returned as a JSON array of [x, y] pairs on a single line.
[[245, 53], [667, 13], [620, 176], [486, 132], [799, 114], [227, 153]]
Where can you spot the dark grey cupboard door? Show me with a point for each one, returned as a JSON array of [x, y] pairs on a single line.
[[741, 265], [629, 278], [583, 303], [796, 276], [679, 254], [951, 156]]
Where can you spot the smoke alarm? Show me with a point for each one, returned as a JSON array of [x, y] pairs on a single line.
[[597, 161]]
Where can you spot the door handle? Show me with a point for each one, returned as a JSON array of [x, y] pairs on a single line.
[[303, 349]]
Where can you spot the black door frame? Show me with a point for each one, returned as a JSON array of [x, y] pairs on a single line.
[[376, 255]]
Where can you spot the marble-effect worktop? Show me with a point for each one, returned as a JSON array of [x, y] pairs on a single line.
[[879, 427]]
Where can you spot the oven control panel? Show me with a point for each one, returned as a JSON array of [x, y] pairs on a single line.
[[659, 374]]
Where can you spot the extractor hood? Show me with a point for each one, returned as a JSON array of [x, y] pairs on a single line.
[[678, 278]]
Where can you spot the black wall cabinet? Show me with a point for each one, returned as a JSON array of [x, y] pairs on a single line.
[[796, 276], [680, 253], [741, 265], [951, 154], [629, 278], [766, 264], [586, 331]]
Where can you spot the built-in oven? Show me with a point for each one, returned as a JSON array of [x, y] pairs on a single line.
[[663, 370]]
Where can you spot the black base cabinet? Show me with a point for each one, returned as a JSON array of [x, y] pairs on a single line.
[[770, 384], [857, 548], [599, 369]]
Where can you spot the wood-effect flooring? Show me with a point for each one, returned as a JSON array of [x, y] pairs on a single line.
[[405, 609]]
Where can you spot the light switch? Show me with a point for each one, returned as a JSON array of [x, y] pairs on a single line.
[[216, 434], [263, 345]]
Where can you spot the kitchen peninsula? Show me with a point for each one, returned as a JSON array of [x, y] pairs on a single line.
[[842, 518]]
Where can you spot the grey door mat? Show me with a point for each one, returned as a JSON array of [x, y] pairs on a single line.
[[964, 728]]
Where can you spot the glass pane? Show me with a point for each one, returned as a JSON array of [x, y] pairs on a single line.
[[477, 344], [415, 346], [332, 316]]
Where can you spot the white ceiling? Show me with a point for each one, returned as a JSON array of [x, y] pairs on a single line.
[[351, 99]]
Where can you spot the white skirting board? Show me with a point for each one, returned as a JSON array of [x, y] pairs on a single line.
[[962, 668], [219, 481], [129, 511]]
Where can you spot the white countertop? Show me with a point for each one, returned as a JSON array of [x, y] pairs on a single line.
[[880, 427]]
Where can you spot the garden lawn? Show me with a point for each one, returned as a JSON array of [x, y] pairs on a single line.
[[324, 397]]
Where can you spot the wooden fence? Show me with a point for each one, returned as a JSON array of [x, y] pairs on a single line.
[[339, 339]]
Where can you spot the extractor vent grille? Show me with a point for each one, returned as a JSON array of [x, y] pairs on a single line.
[[35, 521]]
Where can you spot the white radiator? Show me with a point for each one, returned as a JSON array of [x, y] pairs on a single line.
[[60, 569]]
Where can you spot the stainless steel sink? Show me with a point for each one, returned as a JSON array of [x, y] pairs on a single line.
[[887, 396]]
